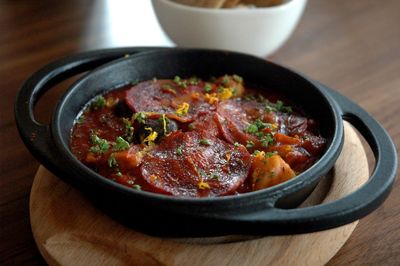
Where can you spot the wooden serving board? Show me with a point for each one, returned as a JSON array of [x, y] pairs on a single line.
[[69, 231]]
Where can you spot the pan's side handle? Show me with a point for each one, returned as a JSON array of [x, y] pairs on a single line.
[[37, 136], [342, 211]]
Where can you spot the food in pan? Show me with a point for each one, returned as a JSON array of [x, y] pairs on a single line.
[[189, 137]]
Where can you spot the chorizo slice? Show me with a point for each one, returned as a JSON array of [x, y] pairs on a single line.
[[234, 117], [166, 97], [192, 164], [208, 124]]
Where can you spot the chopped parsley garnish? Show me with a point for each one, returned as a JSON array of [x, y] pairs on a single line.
[[99, 145], [281, 107], [98, 102], [234, 91], [252, 129], [225, 80], [81, 119], [112, 162], [266, 140], [271, 174], [180, 82], [256, 129], [137, 187], [270, 153], [214, 176], [179, 150], [278, 106], [177, 79], [237, 78], [249, 97], [236, 144], [168, 88], [134, 82], [267, 154], [191, 126], [140, 117], [249, 144], [256, 152], [260, 97], [268, 108], [193, 81], [207, 87], [205, 142], [120, 144], [129, 130], [256, 126]]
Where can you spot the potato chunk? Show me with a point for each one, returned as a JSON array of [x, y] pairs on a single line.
[[269, 171]]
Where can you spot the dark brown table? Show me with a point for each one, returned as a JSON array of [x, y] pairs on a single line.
[[352, 46]]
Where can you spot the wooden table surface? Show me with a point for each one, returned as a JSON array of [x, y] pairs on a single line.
[[352, 46]]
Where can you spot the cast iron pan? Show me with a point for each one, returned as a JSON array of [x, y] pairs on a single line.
[[265, 212]]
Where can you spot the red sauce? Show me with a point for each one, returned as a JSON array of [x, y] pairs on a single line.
[[192, 138]]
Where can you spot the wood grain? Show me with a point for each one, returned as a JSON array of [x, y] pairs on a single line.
[[352, 46], [70, 231]]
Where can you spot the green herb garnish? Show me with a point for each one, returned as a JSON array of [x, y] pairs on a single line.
[[252, 129], [270, 153], [168, 88], [129, 130], [121, 144], [249, 97], [112, 162], [271, 174], [237, 78], [207, 87], [191, 126], [179, 150], [140, 117], [99, 145], [81, 119], [180, 82], [193, 81], [214, 176], [278, 106], [249, 144], [205, 142], [98, 102], [137, 187], [225, 80], [266, 140], [134, 82], [256, 152], [256, 126], [268, 108]]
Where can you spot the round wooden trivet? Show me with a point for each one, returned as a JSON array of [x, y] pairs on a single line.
[[70, 231]]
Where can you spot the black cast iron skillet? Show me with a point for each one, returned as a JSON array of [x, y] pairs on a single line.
[[265, 212]]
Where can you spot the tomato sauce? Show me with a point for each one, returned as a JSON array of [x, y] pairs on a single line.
[[195, 138]]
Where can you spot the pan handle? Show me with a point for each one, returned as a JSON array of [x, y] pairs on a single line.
[[37, 136], [352, 207]]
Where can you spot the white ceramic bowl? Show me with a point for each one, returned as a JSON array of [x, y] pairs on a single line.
[[257, 31]]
